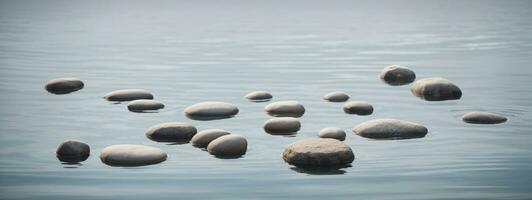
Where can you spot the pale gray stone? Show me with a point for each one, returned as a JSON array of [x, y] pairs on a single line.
[[358, 108], [390, 129], [318, 152], [483, 118], [258, 96], [204, 137], [436, 89], [142, 105], [171, 132], [228, 146], [333, 133], [211, 110], [282, 126], [132, 155], [128, 95], [397, 75], [337, 96], [64, 85], [285, 109]]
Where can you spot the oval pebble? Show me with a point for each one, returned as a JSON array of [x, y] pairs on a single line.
[[211, 110], [171, 132], [390, 129], [228, 146], [483, 118], [258, 96], [397, 75], [63, 85], [132, 155], [358, 108], [318, 152], [282, 126], [336, 96], [204, 137], [73, 151], [128, 95], [436, 89], [285, 109], [142, 105], [333, 133]]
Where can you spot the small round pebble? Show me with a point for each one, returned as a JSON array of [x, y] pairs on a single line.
[[142, 105], [228, 146], [63, 85], [211, 110], [285, 109], [333, 133], [390, 129], [258, 96], [282, 126], [128, 95], [483, 118], [132, 155], [171, 132], [73, 151], [318, 152], [436, 89], [397, 75], [336, 96], [358, 108], [204, 137]]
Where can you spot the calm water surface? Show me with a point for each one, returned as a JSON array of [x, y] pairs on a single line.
[[188, 52]]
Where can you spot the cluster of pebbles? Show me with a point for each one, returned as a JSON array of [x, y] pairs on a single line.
[[327, 150]]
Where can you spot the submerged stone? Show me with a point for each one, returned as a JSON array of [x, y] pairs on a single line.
[[64, 85], [483, 118]]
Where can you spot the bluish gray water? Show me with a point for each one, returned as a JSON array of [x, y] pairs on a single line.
[[188, 52]]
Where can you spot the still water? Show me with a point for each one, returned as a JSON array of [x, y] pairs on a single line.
[[192, 51]]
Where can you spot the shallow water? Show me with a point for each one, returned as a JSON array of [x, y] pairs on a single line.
[[188, 52]]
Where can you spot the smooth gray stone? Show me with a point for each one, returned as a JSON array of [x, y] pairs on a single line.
[[390, 129], [333, 133], [132, 155], [358, 108], [285, 109], [211, 110], [63, 85], [171, 132], [73, 151], [483, 118], [318, 152], [204, 137], [397, 75], [128, 95], [436, 89], [258, 96], [282, 126], [142, 105], [336, 96], [228, 146]]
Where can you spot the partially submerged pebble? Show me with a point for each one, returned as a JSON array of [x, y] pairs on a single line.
[[171, 132], [228, 146], [204, 137], [333, 133], [483, 118], [211, 110], [397, 75], [318, 152], [73, 151], [132, 155], [358, 108], [128, 95], [436, 89], [282, 126], [63, 85], [285, 109], [336, 96], [390, 129], [142, 105], [258, 96]]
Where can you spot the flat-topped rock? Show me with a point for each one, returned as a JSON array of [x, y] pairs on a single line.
[[211, 110], [390, 129], [318, 152], [228, 146], [132, 155], [258, 96], [337, 96], [333, 133], [171, 132], [143, 105], [285, 109], [73, 151], [63, 85], [128, 95], [436, 89], [204, 137], [483, 118], [358, 108], [397, 75], [282, 126]]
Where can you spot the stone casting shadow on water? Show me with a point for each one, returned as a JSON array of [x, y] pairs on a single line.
[[335, 170], [144, 111], [295, 115], [71, 160], [228, 157], [291, 134], [260, 101], [208, 118]]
